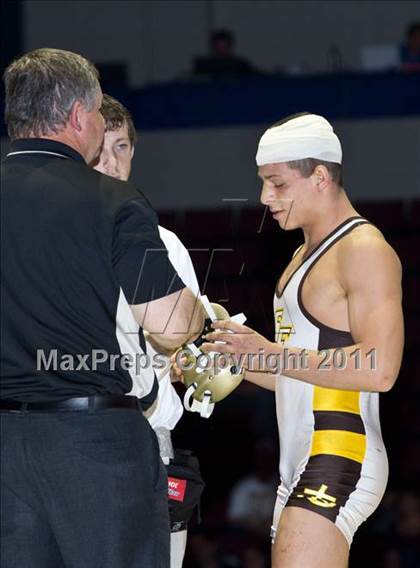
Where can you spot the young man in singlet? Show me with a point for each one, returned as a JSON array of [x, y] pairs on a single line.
[[339, 300]]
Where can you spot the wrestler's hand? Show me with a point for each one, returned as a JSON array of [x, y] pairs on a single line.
[[242, 342]]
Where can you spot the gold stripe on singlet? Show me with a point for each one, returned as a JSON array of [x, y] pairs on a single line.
[[338, 400], [333, 407], [339, 443]]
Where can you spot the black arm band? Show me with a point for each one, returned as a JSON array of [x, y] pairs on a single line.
[[207, 328]]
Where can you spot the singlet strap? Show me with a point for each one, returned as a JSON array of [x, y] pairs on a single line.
[[332, 238]]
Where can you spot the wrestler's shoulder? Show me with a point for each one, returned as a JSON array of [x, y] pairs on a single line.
[[366, 244]]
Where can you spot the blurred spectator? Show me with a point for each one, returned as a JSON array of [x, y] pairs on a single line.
[[408, 516], [392, 559], [253, 558], [410, 51], [203, 552], [393, 533], [222, 63], [405, 551], [252, 498], [224, 547]]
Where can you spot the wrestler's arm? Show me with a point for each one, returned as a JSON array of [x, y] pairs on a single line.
[[145, 274], [264, 380], [370, 274]]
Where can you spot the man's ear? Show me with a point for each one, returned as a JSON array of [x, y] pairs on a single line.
[[76, 116], [132, 151], [321, 176]]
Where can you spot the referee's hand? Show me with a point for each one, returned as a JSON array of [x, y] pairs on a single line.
[[176, 372]]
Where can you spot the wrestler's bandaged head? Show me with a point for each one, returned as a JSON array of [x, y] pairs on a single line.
[[307, 136]]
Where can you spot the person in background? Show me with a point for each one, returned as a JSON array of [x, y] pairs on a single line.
[[222, 62], [252, 497], [410, 50]]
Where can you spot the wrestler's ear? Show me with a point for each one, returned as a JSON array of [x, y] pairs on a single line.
[[75, 117], [321, 177]]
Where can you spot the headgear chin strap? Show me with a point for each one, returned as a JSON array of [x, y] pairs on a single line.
[[307, 136]]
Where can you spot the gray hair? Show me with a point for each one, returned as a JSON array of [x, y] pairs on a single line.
[[41, 88]]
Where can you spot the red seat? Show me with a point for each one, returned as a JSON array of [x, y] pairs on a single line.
[[412, 330], [254, 221], [209, 223], [408, 250], [411, 292], [386, 215], [415, 214], [167, 219]]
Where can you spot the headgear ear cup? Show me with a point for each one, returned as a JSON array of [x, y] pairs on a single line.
[[208, 386], [221, 313]]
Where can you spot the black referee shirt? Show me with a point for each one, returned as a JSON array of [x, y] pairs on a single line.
[[77, 246]]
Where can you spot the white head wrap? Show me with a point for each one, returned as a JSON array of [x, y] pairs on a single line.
[[308, 136]]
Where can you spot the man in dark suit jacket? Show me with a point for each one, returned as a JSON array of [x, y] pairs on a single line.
[[82, 481]]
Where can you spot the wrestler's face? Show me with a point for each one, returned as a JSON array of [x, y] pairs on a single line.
[[290, 197], [116, 154]]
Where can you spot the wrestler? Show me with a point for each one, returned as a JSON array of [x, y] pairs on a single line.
[[115, 160], [339, 303]]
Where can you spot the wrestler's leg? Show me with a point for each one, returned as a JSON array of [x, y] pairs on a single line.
[[305, 538]]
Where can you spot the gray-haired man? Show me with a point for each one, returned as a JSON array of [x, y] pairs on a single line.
[[82, 482]]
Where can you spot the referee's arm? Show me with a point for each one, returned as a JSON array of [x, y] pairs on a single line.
[[159, 300], [172, 320]]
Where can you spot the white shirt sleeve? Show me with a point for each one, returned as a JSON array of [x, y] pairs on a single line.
[[169, 408], [180, 259]]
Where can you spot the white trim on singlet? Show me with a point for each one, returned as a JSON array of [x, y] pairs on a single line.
[[329, 241], [37, 152]]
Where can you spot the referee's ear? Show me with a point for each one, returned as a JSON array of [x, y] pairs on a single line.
[[75, 116]]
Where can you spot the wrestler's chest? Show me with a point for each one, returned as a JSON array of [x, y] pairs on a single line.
[[322, 294]]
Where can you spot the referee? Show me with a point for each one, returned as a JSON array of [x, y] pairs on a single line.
[[82, 484]]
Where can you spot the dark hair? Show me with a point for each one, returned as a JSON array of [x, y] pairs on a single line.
[[116, 115], [222, 35], [412, 29], [306, 166], [41, 88]]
